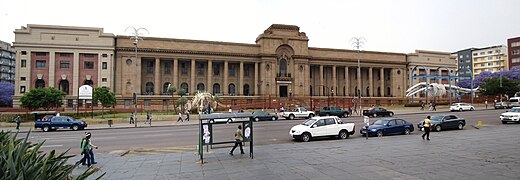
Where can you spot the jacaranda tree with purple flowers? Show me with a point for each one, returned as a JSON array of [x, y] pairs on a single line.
[[6, 94]]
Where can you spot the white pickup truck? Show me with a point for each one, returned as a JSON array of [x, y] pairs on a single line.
[[298, 113], [328, 126], [512, 115]]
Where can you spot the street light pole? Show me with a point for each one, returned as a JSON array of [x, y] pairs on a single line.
[[358, 42], [136, 36]]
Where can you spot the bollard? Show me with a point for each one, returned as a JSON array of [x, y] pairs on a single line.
[[479, 123]]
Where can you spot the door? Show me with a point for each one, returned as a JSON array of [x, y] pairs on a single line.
[[450, 122], [319, 129], [330, 127], [400, 125], [392, 127], [283, 91]]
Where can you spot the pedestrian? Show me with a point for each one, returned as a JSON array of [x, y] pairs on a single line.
[[150, 119], [147, 117], [239, 110], [426, 126], [18, 120], [434, 105], [132, 118], [230, 110], [422, 106], [85, 147], [282, 109], [91, 150], [238, 141], [188, 116], [430, 106], [180, 117], [485, 103]]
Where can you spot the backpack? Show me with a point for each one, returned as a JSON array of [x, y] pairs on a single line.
[[81, 144]]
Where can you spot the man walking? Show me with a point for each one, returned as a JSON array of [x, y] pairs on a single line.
[[132, 117], [188, 116], [85, 147], [434, 106], [180, 117], [238, 141], [427, 125], [18, 120], [91, 150], [422, 106]]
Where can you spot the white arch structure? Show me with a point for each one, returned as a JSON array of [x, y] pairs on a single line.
[[436, 89]]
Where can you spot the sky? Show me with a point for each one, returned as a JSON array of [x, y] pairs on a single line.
[[401, 26]]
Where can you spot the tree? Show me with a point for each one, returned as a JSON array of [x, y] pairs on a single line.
[[492, 87], [45, 98], [105, 96], [6, 94], [182, 100]]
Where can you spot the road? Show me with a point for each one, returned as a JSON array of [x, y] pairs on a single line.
[[265, 132]]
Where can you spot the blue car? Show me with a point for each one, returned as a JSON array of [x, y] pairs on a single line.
[[56, 122], [388, 126]]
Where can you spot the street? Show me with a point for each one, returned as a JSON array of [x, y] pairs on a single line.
[[167, 137]]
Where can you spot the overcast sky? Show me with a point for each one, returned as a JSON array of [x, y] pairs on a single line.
[[392, 26]]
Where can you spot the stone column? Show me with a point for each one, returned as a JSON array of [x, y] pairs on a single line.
[[75, 74], [371, 83], [241, 79], [52, 69], [139, 75], [192, 78], [256, 79], [225, 75], [209, 86], [176, 73], [359, 82], [321, 82], [347, 82], [382, 82], [157, 77], [334, 81]]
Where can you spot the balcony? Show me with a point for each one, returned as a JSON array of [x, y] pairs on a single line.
[[283, 77]]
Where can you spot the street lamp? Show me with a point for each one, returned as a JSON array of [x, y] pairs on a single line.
[[358, 42], [136, 36], [332, 94]]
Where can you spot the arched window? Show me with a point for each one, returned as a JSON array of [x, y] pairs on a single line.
[[231, 89], [216, 88], [246, 90], [64, 86], [184, 86], [40, 83], [388, 91], [149, 88], [165, 87], [88, 82], [200, 87], [379, 91], [283, 67]]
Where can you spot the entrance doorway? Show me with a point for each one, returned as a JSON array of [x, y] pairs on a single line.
[[283, 91]]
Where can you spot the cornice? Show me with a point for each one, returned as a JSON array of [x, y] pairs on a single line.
[[153, 50], [191, 41]]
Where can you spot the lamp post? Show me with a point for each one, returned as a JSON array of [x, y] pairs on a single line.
[[358, 42], [136, 36], [332, 94]]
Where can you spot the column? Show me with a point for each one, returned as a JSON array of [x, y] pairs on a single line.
[[225, 85], [209, 86], [358, 81], [192, 77], [52, 69], [157, 77], [371, 83], [347, 86], [334, 81], [176, 73], [382, 82], [321, 81], [75, 74], [138, 86], [241, 79], [256, 79]]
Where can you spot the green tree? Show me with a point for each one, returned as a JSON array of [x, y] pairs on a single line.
[[182, 100], [492, 87], [105, 96], [45, 98]]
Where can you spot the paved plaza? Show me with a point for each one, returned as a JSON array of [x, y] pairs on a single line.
[[491, 152]]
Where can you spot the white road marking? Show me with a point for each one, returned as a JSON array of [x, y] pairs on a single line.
[[48, 146]]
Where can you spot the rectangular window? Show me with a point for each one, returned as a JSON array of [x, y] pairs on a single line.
[[200, 69], [65, 54], [103, 79], [490, 64], [231, 71], [490, 58], [88, 55], [104, 65], [41, 63], [234, 102], [147, 102], [246, 71], [22, 89], [475, 54], [64, 64], [482, 65], [515, 60], [482, 53], [216, 69], [184, 69], [70, 103], [490, 52], [104, 55], [515, 52], [515, 44], [41, 54], [88, 65], [22, 78], [24, 52], [23, 63], [149, 67], [167, 68]]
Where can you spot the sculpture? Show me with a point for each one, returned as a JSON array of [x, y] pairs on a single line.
[[436, 89]]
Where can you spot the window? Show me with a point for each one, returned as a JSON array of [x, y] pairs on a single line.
[[482, 53], [184, 86], [103, 79], [149, 67], [200, 87], [515, 52], [22, 78], [88, 55], [41, 54], [330, 121], [490, 58], [514, 44], [216, 89], [70, 103], [200, 69], [104, 55], [216, 69], [22, 89], [165, 87], [231, 89], [400, 122], [490, 52], [184, 69], [246, 90], [515, 60], [65, 54], [167, 67], [41, 63], [23, 63], [104, 65], [246, 70], [231, 71], [475, 54], [391, 122], [24, 52], [320, 122], [147, 102], [88, 65], [490, 64], [64, 64], [482, 65], [40, 83], [149, 88], [64, 86]]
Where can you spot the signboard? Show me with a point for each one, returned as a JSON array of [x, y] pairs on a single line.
[[85, 92], [366, 120], [206, 135]]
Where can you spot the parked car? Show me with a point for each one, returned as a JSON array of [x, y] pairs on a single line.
[[377, 111], [388, 126], [221, 119], [442, 122], [512, 115], [513, 102], [298, 113], [333, 111], [330, 126], [263, 115], [56, 122], [461, 107]]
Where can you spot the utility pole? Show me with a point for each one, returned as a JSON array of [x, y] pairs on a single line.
[[136, 37], [358, 42]]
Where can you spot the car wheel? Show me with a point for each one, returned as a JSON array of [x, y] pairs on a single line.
[[379, 133], [471, 109], [503, 122], [438, 128], [345, 114], [273, 118], [46, 128], [407, 131], [230, 120], [460, 126], [306, 137], [311, 115], [291, 117], [343, 134], [460, 109], [257, 119], [75, 127], [390, 114]]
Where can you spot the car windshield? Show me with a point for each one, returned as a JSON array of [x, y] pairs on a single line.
[[455, 104], [514, 110], [436, 118], [371, 109], [309, 122], [381, 122]]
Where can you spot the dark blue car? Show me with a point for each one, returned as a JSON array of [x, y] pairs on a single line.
[[388, 126]]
